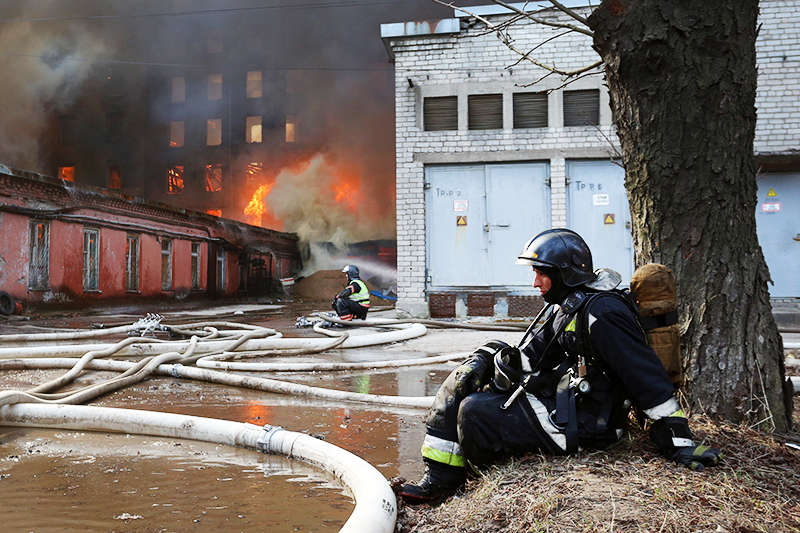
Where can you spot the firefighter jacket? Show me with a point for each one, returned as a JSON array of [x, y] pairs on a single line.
[[589, 362], [356, 291]]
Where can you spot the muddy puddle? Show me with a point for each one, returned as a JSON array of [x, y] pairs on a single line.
[[53, 480]]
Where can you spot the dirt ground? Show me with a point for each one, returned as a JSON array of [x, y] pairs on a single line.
[[631, 488]]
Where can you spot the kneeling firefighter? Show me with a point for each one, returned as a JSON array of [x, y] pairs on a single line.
[[353, 301], [570, 383]]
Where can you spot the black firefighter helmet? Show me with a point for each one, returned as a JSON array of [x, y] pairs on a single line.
[[561, 250], [351, 271]]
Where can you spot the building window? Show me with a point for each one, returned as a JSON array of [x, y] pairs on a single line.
[[66, 173], [291, 128], [214, 132], [254, 86], [176, 133], [214, 212], [485, 111], [582, 108], [91, 259], [67, 130], [530, 110], [213, 178], [132, 263], [114, 177], [175, 180], [253, 130], [214, 86], [195, 266], [221, 269], [39, 264], [440, 113], [166, 264], [178, 90]]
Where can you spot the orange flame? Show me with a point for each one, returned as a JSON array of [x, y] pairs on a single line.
[[256, 209]]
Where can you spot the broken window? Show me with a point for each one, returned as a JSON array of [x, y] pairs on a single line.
[[582, 108], [214, 132], [132, 263], [440, 113], [176, 133], [214, 86], [485, 111], [254, 86], [178, 90], [253, 130], [91, 259], [291, 128], [255, 173], [67, 130], [530, 110], [175, 180], [39, 263], [213, 178], [114, 177], [221, 267], [195, 266], [166, 264], [66, 173]]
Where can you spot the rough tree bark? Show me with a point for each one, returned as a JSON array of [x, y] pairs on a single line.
[[682, 78]]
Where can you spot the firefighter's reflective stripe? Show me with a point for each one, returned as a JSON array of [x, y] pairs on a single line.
[[668, 408], [443, 451], [543, 416], [362, 296], [572, 325]]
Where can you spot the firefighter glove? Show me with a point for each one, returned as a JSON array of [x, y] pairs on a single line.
[[474, 372], [697, 457]]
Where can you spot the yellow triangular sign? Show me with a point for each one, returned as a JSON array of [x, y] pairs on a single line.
[[461, 220], [608, 219], [771, 193]]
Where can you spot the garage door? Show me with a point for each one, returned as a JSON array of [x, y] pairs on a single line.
[[778, 224]]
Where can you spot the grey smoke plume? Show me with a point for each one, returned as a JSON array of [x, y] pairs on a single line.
[[43, 68]]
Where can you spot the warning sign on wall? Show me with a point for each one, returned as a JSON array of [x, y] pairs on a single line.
[[608, 218], [771, 193], [771, 207], [461, 220]]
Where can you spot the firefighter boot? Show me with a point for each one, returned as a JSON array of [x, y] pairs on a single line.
[[438, 481]]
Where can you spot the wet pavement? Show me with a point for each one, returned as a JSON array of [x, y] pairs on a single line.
[[65, 481]]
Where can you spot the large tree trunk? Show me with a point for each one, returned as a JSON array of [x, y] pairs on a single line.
[[682, 78]]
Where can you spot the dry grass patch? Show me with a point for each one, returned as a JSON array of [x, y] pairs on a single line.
[[630, 488]]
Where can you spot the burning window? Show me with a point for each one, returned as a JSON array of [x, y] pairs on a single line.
[[582, 108], [195, 266], [213, 178], [254, 86], [530, 110], [67, 130], [291, 128], [214, 132], [175, 180], [132, 263], [485, 111], [39, 263], [176, 133], [221, 269], [178, 90], [91, 259], [253, 130], [66, 173], [166, 264], [214, 86], [114, 177], [214, 212]]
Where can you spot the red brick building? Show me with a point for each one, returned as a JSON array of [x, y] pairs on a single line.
[[64, 243]]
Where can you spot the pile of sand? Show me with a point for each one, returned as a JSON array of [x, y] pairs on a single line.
[[324, 285]]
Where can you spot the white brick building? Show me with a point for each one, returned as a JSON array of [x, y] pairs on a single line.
[[473, 120]]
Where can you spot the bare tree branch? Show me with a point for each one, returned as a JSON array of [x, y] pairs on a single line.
[[568, 11], [547, 22], [506, 39]]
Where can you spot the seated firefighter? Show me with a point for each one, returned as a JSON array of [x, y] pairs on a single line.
[[570, 383], [353, 301]]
